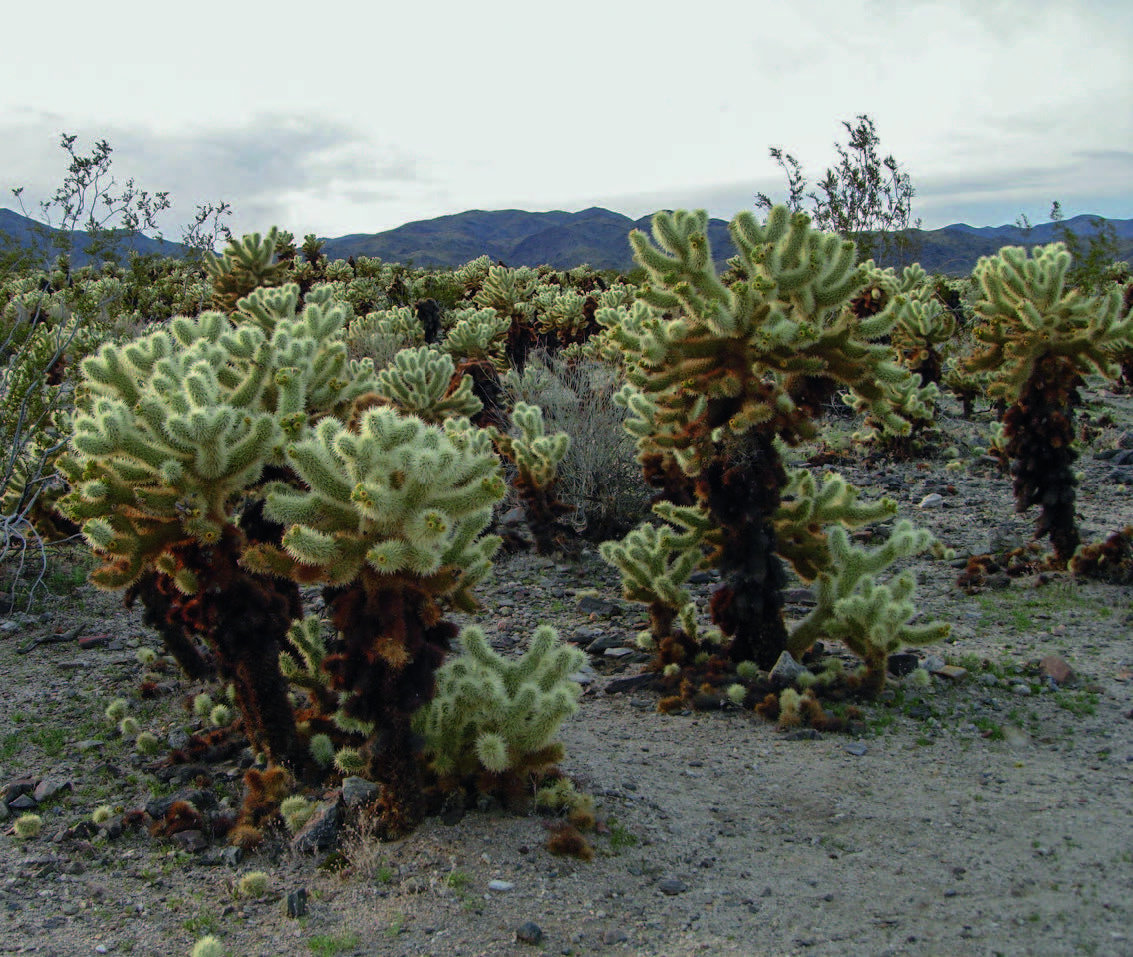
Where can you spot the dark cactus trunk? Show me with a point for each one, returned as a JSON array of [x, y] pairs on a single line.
[[1040, 432], [244, 618], [742, 495], [393, 642]]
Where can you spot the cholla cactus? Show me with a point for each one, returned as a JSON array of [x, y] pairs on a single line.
[[536, 456], [171, 434], [246, 264], [655, 562], [391, 521], [498, 715], [509, 292], [738, 370], [1039, 337], [870, 618], [478, 334], [421, 382]]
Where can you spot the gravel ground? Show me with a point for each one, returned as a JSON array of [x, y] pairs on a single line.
[[988, 814]]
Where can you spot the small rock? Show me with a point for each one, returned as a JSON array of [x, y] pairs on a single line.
[[529, 933], [606, 642], [803, 734], [630, 683], [786, 670], [320, 832], [903, 663], [297, 903], [1004, 538], [201, 800], [356, 791], [618, 653], [1021, 689], [1056, 669], [614, 935], [584, 676], [192, 841], [500, 885], [935, 500], [89, 744], [51, 787], [856, 748], [232, 856], [590, 605], [25, 802], [987, 678], [584, 636], [671, 886]]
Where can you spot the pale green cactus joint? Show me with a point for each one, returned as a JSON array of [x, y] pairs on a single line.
[[499, 715]]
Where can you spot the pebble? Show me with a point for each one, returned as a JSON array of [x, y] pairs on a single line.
[[500, 885], [671, 886], [931, 501], [786, 670], [297, 903], [1021, 689], [1056, 669], [856, 748], [356, 791], [529, 933]]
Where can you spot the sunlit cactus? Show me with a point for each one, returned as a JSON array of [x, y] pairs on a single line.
[[497, 715], [246, 264], [728, 373], [1039, 337]]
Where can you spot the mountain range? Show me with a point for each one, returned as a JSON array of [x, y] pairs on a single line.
[[595, 236]]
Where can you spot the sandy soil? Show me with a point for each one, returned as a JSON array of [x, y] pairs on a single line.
[[987, 815]]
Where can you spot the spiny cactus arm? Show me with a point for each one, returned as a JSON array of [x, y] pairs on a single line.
[[536, 454], [267, 306], [477, 334], [243, 266], [655, 562], [1029, 313], [806, 510], [408, 498], [922, 324], [508, 291], [478, 716], [419, 382], [845, 572], [786, 258]]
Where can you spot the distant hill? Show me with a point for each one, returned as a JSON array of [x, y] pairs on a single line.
[[600, 237], [595, 236], [562, 240], [25, 233]]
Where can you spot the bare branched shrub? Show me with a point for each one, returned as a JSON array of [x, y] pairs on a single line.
[[600, 476], [31, 436]]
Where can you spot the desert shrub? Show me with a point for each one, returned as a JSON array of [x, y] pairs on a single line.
[[599, 476]]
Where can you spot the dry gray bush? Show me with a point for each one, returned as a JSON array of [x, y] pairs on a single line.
[[599, 477]]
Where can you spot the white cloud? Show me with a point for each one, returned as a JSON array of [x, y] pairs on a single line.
[[373, 115]]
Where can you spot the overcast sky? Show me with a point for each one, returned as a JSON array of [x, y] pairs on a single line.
[[355, 116]]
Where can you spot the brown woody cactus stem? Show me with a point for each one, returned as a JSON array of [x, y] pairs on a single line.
[[742, 497], [393, 641], [161, 602], [1040, 431], [244, 618]]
